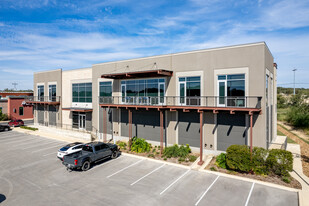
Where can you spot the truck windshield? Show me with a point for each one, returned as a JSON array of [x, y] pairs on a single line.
[[87, 148]]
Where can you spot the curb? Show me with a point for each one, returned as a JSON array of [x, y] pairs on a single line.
[[251, 180], [155, 160]]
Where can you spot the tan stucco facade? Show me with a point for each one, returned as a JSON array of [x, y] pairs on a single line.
[[253, 60]]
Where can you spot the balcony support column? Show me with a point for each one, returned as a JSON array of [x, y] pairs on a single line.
[[161, 131], [251, 138], [130, 127], [104, 125], [201, 137]]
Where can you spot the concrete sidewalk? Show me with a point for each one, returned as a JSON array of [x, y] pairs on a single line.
[[299, 175], [49, 135]]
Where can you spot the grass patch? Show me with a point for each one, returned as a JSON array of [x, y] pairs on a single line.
[[289, 140], [29, 128], [280, 133], [282, 114], [294, 134]]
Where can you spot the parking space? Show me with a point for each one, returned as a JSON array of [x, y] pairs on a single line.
[[30, 174]]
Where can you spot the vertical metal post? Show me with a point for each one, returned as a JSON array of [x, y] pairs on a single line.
[[130, 127], [251, 143], [201, 138], [294, 70], [104, 125], [161, 131]]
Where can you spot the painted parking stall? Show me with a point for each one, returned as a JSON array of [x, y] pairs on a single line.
[[126, 180]]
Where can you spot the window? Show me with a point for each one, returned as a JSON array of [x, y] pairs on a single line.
[[14, 110], [52, 92], [97, 148], [104, 146], [143, 91], [230, 88], [190, 90], [82, 92], [0, 109], [41, 92], [21, 111], [105, 89]]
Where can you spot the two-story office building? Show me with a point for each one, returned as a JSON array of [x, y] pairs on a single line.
[[209, 99]]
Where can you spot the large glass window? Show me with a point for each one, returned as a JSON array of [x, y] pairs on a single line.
[[41, 92], [82, 92], [190, 90], [52, 92], [143, 91], [106, 92], [231, 90]]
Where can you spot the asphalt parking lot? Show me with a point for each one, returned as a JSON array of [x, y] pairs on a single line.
[[30, 174]]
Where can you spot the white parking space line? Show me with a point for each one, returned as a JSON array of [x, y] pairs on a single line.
[[58, 145], [125, 168], [105, 163], [250, 194], [39, 145], [175, 181], [147, 174], [3, 138], [206, 191], [55, 153], [19, 140], [33, 141]]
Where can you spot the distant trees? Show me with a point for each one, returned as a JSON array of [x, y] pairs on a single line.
[[12, 90], [298, 113]]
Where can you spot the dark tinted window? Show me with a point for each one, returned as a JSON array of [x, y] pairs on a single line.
[[97, 148], [78, 147], [87, 148], [104, 146]]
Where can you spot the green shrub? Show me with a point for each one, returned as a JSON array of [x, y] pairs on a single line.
[[286, 179], [299, 116], [280, 162], [238, 158], [29, 128], [221, 160], [259, 156], [3, 117], [154, 150], [122, 145], [176, 151], [165, 158], [151, 155], [213, 169], [140, 145], [192, 158], [181, 159]]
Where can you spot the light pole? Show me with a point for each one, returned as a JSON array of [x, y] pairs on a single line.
[[294, 70]]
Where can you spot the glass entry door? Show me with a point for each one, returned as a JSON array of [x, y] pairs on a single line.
[[82, 121], [182, 93], [222, 93], [123, 93]]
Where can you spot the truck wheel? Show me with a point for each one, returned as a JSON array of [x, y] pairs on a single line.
[[114, 154], [86, 165]]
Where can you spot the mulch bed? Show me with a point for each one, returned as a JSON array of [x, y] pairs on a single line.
[[269, 178], [158, 157], [304, 148]]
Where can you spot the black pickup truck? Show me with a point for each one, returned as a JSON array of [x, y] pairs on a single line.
[[91, 152]]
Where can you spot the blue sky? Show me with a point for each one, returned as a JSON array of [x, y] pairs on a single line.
[[37, 35]]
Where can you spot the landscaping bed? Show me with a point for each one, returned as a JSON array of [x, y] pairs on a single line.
[[268, 178], [174, 154], [265, 165]]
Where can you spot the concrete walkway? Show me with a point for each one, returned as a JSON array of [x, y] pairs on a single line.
[[299, 175], [49, 135]]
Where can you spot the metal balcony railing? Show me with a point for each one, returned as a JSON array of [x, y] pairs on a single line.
[[42, 99], [203, 101]]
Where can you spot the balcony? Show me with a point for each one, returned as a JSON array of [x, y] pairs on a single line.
[[212, 102], [50, 100]]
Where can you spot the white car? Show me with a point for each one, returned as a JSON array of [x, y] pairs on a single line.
[[70, 148]]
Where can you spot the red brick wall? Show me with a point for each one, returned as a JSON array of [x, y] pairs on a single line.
[[15, 103], [4, 94]]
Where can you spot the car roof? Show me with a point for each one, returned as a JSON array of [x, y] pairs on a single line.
[[94, 143]]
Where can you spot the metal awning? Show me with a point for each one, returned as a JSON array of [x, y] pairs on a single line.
[[75, 109], [139, 74]]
